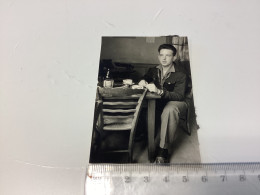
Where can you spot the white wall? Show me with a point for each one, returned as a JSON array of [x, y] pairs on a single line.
[[49, 54]]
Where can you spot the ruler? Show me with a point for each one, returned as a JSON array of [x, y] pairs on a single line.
[[180, 179]]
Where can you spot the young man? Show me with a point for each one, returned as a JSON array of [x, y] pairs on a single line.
[[170, 83]]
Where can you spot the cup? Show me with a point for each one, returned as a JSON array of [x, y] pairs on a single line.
[[127, 81]]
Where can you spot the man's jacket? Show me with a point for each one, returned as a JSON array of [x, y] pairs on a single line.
[[173, 84]]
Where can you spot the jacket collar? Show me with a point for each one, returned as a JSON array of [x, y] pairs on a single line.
[[171, 69]]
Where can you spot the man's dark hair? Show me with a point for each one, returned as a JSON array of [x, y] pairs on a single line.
[[168, 46]]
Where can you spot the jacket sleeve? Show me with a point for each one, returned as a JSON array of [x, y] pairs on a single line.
[[178, 94]]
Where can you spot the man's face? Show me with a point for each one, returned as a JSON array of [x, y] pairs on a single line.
[[165, 57]]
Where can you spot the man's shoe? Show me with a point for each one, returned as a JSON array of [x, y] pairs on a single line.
[[160, 160], [162, 156]]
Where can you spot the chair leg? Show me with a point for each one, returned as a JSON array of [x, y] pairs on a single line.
[[130, 147], [188, 122], [130, 152]]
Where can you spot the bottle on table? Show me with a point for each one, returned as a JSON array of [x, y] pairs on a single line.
[[108, 82]]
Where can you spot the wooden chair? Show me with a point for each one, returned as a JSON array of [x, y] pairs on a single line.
[[119, 112], [186, 120], [96, 133]]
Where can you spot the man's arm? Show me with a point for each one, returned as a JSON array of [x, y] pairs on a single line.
[[148, 77], [178, 94]]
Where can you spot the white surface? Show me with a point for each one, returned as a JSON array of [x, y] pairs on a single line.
[[49, 54]]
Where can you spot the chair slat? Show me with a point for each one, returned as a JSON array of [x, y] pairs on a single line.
[[119, 106], [119, 110], [117, 117], [120, 103], [108, 121], [118, 127]]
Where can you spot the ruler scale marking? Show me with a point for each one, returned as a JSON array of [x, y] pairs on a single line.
[[237, 178]]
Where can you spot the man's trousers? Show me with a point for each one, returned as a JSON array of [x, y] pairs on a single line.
[[170, 116]]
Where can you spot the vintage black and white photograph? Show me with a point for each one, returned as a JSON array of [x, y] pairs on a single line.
[[144, 107]]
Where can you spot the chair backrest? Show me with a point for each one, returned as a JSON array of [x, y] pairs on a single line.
[[121, 112], [118, 112]]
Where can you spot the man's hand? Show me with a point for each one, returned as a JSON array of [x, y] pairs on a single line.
[[142, 83], [152, 88]]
